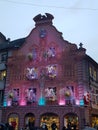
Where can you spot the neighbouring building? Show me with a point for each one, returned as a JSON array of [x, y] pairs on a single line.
[[46, 79]]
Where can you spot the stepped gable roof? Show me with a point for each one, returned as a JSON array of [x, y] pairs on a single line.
[[12, 44]]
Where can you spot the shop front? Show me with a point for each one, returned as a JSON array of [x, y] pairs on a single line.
[[50, 119], [37, 116], [94, 119]]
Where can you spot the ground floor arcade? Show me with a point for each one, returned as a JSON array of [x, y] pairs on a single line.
[[36, 116]]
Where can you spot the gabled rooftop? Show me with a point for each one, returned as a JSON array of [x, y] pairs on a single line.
[[12, 44]]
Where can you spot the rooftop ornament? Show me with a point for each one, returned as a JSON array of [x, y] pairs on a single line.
[[81, 45], [39, 19]]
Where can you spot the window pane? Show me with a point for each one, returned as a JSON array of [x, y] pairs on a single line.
[[3, 57], [2, 74]]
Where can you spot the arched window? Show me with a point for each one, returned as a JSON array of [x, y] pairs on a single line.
[[14, 120], [29, 120], [50, 120], [71, 121]]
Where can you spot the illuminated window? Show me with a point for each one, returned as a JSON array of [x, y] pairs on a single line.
[[51, 71], [14, 120], [14, 94], [90, 71], [16, 91], [32, 73], [51, 52], [94, 74], [50, 93], [2, 74], [30, 95]]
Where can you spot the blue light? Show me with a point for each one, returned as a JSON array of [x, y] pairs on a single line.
[[4, 103], [41, 101], [81, 102]]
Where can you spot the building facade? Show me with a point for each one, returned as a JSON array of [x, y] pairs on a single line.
[[49, 79]]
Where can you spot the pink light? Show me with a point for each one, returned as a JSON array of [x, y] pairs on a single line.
[[9, 103], [22, 103], [62, 102], [77, 102]]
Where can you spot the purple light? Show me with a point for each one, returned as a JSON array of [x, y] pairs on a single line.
[[22, 103], [62, 102]]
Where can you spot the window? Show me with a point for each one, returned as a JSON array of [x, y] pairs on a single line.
[[32, 73], [51, 71], [14, 94], [2, 74], [67, 95], [43, 33], [50, 93], [51, 52], [30, 95], [93, 73], [4, 57], [16, 91], [1, 97], [90, 71], [14, 119]]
